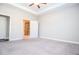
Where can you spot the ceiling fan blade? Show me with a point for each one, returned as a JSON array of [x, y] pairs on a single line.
[[38, 6], [31, 4], [43, 3]]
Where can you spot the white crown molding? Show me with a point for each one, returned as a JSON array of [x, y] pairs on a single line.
[[50, 8], [37, 13], [26, 9]]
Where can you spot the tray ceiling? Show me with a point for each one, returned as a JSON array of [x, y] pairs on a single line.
[[34, 9]]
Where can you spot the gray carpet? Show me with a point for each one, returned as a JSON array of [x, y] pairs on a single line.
[[38, 47]]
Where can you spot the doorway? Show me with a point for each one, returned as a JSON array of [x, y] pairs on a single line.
[[26, 29], [4, 28]]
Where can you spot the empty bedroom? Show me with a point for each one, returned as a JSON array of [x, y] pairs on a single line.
[[39, 29]]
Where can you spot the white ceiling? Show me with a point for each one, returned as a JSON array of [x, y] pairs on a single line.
[[33, 9]]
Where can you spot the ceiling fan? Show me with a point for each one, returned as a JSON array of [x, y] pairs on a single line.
[[37, 4]]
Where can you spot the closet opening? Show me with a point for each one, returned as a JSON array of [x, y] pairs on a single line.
[[4, 28]]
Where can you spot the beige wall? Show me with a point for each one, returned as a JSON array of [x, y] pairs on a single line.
[[61, 23], [16, 20]]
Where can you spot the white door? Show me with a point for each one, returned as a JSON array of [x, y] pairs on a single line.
[[3, 24], [33, 29]]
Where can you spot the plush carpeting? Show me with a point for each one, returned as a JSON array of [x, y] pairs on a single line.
[[38, 47]]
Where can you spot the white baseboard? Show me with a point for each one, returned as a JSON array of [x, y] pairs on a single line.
[[67, 41]]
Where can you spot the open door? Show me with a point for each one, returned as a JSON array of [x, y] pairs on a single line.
[[26, 29], [33, 29]]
